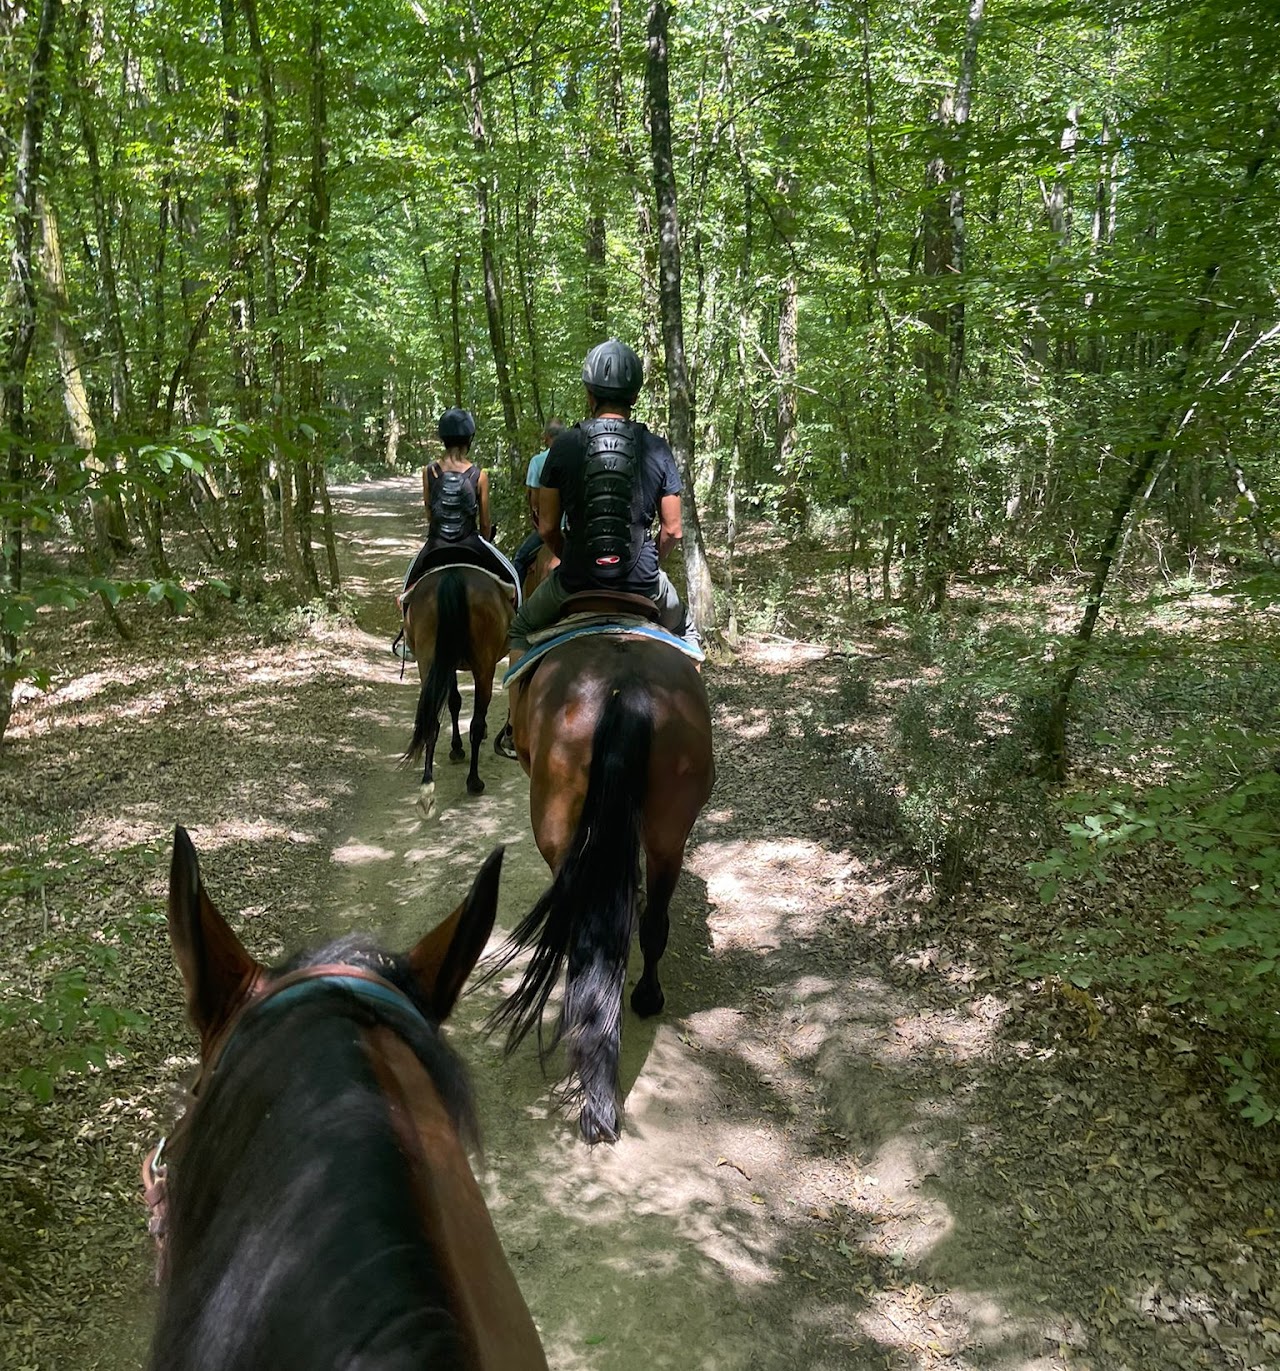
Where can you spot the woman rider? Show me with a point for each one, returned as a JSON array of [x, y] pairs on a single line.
[[456, 494]]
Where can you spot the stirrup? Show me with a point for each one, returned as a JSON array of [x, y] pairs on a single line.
[[505, 743], [400, 647]]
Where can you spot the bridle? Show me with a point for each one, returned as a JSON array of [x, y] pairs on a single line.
[[394, 1007]]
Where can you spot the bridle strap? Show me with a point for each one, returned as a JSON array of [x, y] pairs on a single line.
[[292, 986]]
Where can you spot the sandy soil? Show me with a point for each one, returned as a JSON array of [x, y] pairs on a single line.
[[764, 1176], [849, 1141]]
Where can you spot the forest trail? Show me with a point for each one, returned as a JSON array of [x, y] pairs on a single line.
[[767, 1205]]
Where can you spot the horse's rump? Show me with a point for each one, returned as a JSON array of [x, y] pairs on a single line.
[[618, 737]]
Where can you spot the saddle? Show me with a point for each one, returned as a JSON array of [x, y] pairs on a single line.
[[608, 603]]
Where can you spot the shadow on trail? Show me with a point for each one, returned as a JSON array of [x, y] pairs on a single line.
[[782, 1194]]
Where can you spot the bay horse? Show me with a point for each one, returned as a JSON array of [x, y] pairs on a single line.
[[455, 619], [314, 1206], [615, 735]]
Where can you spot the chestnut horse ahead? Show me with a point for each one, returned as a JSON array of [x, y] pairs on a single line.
[[615, 733], [455, 619], [315, 1207]]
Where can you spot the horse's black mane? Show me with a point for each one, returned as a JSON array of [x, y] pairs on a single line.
[[293, 1240]]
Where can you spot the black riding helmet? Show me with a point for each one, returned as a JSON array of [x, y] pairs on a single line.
[[613, 372], [456, 427]]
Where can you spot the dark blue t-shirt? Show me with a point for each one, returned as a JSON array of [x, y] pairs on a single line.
[[658, 477]]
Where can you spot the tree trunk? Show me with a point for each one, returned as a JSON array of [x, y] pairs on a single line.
[[19, 334], [701, 604], [86, 100], [1261, 525], [456, 322], [489, 269], [650, 307], [271, 287], [75, 397], [250, 523], [944, 256], [1146, 452], [315, 276]]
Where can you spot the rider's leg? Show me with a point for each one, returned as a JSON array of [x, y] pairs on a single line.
[[671, 613], [538, 611], [525, 554]]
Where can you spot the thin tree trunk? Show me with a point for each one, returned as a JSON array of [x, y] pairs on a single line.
[[524, 231], [944, 256], [75, 397], [456, 323], [315, 272], [701, 604], [20, 332], [271, 288], [489, 270], [1267, 544], [650, 307], [85, 101]]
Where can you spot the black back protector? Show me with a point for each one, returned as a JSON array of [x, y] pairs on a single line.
[[454, 504], [611, 528]]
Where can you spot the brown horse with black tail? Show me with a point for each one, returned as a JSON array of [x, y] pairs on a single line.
[[615, 733], [314, 1205], [455, 619]]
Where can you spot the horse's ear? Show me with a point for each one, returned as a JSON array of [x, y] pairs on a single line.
[[442, 961], [216, 970]]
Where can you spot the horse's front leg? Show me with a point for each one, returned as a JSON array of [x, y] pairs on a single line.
[[456, 751], [484, 693]]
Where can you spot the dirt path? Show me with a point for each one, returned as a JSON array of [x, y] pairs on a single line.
[[771, 1166], [852, 1140]]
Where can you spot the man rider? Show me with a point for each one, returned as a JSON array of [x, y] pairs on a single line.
[[610, 476], [528, 550]]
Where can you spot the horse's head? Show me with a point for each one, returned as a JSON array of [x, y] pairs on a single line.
[[321, 1164], [221, 978]]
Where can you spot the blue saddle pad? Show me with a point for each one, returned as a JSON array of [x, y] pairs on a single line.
[[633, 629]]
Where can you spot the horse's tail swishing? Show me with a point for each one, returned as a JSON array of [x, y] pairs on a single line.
[[452, 649], [588, 915]]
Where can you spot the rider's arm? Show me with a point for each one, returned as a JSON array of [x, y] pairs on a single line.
[[549, 518], [426, 489], [670, 528], [482, 495]]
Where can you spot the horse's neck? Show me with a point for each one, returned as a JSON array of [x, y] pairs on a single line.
[[290, 1241], [486, 1301]]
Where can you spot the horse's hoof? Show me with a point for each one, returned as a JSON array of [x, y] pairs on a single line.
[[598, 1124], [427, 800], [458, 754], [647, 1001], [475, 786]]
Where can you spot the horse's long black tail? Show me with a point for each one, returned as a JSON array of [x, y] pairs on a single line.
[[588, 914], [452, 650]]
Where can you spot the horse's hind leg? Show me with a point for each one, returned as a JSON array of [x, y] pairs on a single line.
[[647, 998], [484, 693], [456, 751], [427, 790]]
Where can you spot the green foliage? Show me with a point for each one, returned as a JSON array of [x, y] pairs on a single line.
[[62, 1010], [964, 742], [1198, 857]]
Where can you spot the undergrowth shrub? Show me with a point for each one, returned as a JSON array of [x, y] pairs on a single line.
[[965, 743], [1201, 851], [62, 1008]]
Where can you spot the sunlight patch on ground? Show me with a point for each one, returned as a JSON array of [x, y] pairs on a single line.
[[763, 890], [357, 853]]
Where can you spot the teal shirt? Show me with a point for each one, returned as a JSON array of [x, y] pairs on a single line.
[[533, 477]]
